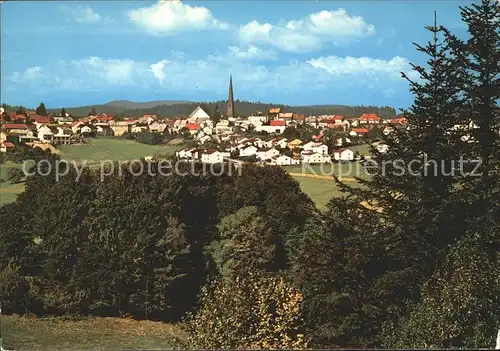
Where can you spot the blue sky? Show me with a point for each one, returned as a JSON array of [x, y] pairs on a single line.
[[294, 52]]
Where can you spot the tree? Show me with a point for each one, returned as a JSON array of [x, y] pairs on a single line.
[[408, 219], [246, 244], [216, 116], [459, 305], [21, 110], [479, 56], [291, 133], [93, 112], [41, 110], [252, 312], [63, 112]]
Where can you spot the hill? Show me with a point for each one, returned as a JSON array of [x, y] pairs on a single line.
[[171, 108]]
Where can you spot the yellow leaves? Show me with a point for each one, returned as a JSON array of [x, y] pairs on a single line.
[[250, 312]]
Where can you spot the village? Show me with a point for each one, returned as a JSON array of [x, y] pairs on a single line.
[[257, 138]]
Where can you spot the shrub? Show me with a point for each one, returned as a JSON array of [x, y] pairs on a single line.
[[249, 312]]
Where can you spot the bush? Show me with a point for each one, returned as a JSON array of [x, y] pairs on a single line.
[[250, 312], [13, 290]]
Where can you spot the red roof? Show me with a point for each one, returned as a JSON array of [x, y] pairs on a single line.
[[338, 118], [8, 144], [104, 118], [278, 123], [41, 119], [15, 126], [23, 117], [360, 130], [369, 117], [192, 126]]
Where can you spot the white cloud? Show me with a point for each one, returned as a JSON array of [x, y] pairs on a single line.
[[210, 75], [29, 74], [111, 71], [83, 14], [251, 52], [170, 16], [158, 70], [308, 34], [335, 65]]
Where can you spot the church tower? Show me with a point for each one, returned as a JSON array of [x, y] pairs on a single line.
[[230, 99]]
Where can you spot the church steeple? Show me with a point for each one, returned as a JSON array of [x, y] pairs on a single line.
[[230, 99]]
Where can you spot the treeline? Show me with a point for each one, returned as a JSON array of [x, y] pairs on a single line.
[[243, 108]]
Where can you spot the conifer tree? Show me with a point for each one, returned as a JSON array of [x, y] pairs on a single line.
[[407, 219], [41, 110]]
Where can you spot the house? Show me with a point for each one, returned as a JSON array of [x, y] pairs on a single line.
[[193, 128], [15, 128], [41, 119], [212, 156], [188, 153], [382, 148], [369, 118], [287, 116], [87, 130], [248, 151], [6, 146], [316, 147], [295, 143], [45, 134], [388, 130], [358, 132], [343, 155], [267, 154], [104, 118], [273, 112], [139, 128], [314, 157], [279, 142], [284, 160], [62, 136], [223, 127], [204, 139], [104, 130], [198, 114]]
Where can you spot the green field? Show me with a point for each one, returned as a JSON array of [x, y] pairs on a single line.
[[93, 152], [30, 333], [98, 149]]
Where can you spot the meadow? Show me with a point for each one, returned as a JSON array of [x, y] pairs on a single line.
[[315, 180], [31, 333]]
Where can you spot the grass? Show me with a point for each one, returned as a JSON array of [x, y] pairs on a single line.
[[98, 149], [30, 333], [9, 191], [363, 149]]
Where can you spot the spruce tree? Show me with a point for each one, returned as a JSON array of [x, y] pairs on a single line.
[[480, 57], [41, 110], [63, 112], [407, 219]]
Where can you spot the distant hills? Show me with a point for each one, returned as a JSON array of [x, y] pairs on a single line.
[[171, 108]]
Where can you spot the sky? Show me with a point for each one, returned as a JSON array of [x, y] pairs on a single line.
[[68, 53]]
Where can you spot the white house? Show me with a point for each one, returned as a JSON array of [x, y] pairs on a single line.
[[267, 154], [205, 138], [223, 127], [279, 142], [284, 160], [248, 151], [212, 156], [197, 115], [45, 134], [316, 147], [343, 155], [314, 157], [382, 148], [188, 153], [135, 129]]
